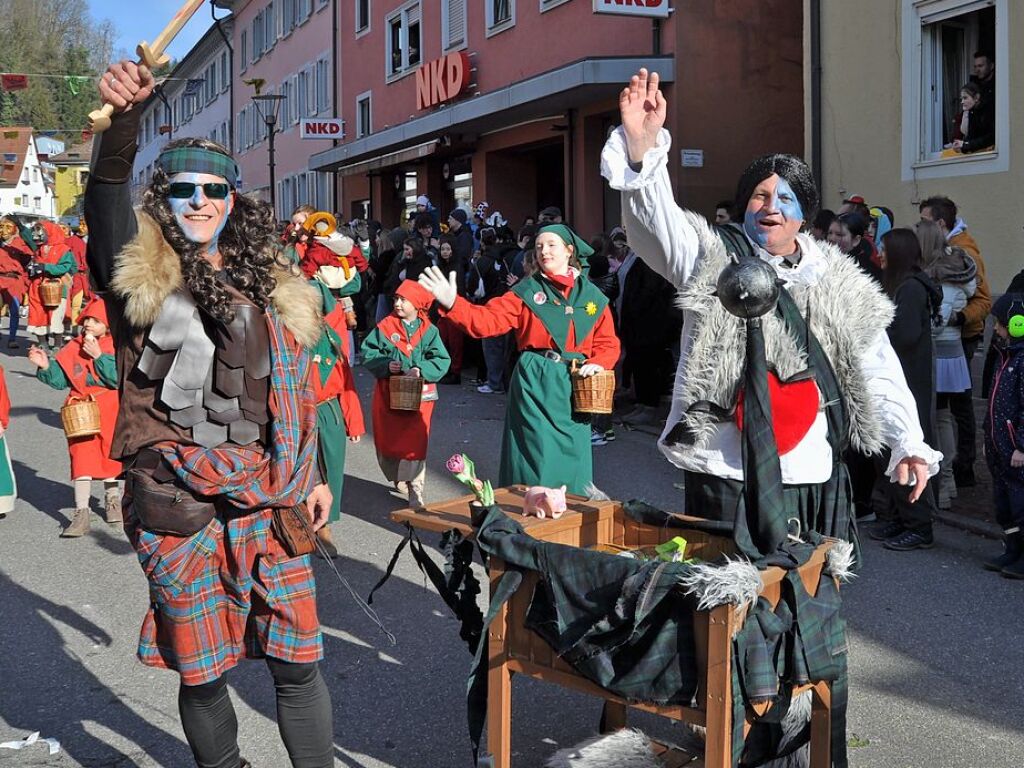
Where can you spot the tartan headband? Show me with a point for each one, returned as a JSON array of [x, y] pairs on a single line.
[[199, 160]]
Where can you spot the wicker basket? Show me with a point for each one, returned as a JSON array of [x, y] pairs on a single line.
[[81, 418], [406, 393], [50, 293], [593, 394]]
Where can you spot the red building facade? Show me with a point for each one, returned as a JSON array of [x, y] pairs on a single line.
[[510, 101]]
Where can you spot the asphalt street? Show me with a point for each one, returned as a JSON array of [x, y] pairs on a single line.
[[937, 644]]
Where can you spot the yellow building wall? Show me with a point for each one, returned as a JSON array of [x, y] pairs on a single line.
[[861, 119], [67, 189]]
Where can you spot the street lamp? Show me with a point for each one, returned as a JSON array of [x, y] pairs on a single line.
[[268, 105]]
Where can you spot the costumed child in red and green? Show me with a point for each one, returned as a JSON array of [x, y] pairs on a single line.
[[87, 367], [8, 485], [339, 415], [334, 262], [52, 259], [558, 316], [405, 343]]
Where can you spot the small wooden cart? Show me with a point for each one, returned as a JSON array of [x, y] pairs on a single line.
[[512, 648]]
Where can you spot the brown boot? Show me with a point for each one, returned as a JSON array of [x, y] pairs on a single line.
[[324, 534], [112, 507], [79, 525]]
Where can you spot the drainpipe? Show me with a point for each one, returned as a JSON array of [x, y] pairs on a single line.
[[231, 80], [816, 159], [335, 96], [570, 192]]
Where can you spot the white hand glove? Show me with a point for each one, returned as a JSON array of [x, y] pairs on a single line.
[[337, 242], [588, 370], [445, 289]]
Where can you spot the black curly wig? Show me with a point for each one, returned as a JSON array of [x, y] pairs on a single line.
[[789, 167], [248, 244]]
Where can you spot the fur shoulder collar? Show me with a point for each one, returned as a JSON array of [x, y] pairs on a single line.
[[148, 270]]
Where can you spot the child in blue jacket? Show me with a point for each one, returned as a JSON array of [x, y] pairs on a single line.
[[1004, 434]]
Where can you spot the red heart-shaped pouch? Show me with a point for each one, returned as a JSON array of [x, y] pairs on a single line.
[[794, 409]]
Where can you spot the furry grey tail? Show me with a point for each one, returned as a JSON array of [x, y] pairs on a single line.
[[737, 583], [593, 493]]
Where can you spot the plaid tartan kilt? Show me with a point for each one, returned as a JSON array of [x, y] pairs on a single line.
[[227, 592]]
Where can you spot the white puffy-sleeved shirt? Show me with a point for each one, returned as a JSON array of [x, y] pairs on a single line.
[[661, 235]]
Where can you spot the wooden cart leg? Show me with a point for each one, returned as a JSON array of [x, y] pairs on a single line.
[[821, 726], [499, 682], [718, 687], [613, 717]]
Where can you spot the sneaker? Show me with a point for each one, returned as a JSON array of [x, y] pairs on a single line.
[[909, 540], [609, 435], [596, 438], [886, 531], [485, 389]]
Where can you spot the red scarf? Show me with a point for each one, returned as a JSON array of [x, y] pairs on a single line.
[[393, 329], [78, 366]]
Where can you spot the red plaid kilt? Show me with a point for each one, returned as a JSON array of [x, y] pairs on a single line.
[[227, 592]]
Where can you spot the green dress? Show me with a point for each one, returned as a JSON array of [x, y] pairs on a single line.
[[546, 442]]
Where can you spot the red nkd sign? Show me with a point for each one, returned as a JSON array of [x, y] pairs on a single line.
[[633, 7], [321, 129], [442, 79]]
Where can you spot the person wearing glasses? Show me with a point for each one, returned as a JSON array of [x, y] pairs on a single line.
[[213, 328]]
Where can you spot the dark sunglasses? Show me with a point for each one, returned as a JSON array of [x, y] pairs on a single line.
[[184, 190]]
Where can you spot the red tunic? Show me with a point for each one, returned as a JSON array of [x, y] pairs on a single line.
[[13, 280], [90, 456], [508, 313], [80, 282], [5, 401], [341, 382]]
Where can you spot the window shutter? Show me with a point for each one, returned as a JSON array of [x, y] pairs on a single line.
[[455, 30]]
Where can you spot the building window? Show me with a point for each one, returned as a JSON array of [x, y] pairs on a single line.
[[462, 184], [243, 52], [362, 16], [404, 40], [945, 36], [501, 14], [364, 114], [225, 74], [453, 24], [323, 85], [37, 202], [305, 9], [547, 5]]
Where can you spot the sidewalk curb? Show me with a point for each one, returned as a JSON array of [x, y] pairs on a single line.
[[970, 524]]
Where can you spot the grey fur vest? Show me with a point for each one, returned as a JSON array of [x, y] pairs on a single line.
[[845, 309]]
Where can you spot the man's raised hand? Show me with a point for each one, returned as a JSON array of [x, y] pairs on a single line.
[[643, 111], [126, 84]]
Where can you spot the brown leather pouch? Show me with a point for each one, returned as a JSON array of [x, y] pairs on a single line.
[[167, 508], [294, 531]]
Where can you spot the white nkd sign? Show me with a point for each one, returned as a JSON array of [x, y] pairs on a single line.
[[650, 8]]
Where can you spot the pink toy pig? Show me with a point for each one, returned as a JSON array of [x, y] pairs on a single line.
[[544, 502]]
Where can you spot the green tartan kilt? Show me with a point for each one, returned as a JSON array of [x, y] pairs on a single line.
[[545, 443], [332, 443]]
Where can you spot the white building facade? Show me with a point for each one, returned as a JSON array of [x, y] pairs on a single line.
[[26, 185]]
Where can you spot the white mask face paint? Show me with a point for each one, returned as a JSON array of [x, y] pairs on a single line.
[[200, 218]]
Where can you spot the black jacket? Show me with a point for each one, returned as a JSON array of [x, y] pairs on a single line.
[[495, 265], [910, 333], [650, 317], [981, 128], [411, 268]]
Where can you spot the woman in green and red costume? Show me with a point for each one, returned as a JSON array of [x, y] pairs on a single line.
[[558, 317], [52, 259], [339, 416]]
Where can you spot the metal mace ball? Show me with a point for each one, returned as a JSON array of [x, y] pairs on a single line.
[[748, 288]]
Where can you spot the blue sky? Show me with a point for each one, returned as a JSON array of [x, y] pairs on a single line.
[[135, 25]]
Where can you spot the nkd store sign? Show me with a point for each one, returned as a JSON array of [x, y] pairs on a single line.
[[442, 80], [656, 8]]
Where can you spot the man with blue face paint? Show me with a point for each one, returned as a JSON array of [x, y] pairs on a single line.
[[833, 378], [213, 329]]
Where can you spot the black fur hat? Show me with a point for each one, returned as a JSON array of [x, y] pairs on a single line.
[[789, 167]]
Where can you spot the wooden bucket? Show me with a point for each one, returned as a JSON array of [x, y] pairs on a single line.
[[81, 418], [593, 394], [50, 293], [406, 393]]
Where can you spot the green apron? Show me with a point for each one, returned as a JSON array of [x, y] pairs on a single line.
[[545, 443], [332, 443], [7, 484]]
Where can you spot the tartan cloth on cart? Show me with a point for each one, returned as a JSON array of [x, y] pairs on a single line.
[[230, 590]]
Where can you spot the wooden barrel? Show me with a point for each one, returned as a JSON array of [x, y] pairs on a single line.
[[406, 393], [593, 394], [50, 293], [81, 418]]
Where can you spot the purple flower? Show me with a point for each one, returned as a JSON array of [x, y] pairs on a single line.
[[456, 464]]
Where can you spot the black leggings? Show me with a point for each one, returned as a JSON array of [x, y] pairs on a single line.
[[304, 718]]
